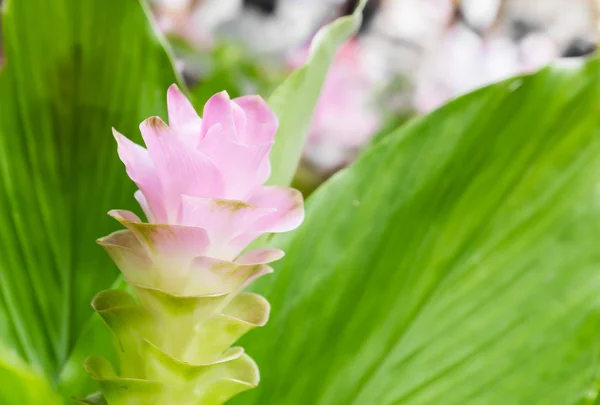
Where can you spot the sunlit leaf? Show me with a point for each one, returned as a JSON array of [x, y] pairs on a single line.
[[455, 263]]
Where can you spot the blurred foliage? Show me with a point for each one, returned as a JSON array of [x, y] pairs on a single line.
[[226, 66], [238, 73]]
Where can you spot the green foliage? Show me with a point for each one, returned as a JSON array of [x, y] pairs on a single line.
[[456, 262], [73, 69], [23, 385]]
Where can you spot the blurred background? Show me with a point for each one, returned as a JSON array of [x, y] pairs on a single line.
[[410, 57]]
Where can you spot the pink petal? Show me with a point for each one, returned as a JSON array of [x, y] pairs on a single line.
[[183, 119], [261, 122], [264, 172], [242, 241], [244, 167], [212, 276], [223, 220], [141, 170], [260, 256], [171, 242], [143, 202], [154, 131], [128, 254], [289, 206], [239, 119], [181, 169], [218, 110], [124, 215]]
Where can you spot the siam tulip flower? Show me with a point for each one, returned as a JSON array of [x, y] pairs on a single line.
[[201, 189]]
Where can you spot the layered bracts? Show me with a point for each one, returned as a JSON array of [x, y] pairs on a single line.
[[201, 188]]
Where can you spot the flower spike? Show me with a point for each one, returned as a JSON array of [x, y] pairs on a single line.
[[201, 188]]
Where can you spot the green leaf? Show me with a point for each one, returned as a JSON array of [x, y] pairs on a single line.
[[455, 263], [73, 69], [295, 99]]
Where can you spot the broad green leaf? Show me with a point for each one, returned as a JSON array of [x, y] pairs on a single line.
[[455, 263], [295, 99], [73, 69]]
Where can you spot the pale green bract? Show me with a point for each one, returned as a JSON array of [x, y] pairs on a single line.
[[194, 328]]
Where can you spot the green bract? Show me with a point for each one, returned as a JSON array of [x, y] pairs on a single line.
[[174, 349]]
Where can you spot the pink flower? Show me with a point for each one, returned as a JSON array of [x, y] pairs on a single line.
[[201, 187]]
